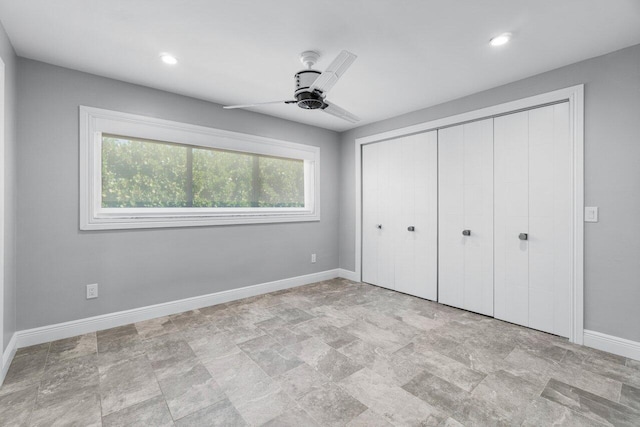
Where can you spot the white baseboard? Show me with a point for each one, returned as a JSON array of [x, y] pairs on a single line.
[[7, 357], [612, 344], [348, 274], [92, 324]]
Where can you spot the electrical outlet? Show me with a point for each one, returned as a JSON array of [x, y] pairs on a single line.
[[92, 291], [591, 214], [313, 258]]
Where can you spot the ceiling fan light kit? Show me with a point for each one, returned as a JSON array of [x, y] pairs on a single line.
[[312, 86]]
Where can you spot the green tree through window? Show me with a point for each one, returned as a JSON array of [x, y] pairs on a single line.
[[139, 173]]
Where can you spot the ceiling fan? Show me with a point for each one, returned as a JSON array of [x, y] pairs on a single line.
[[312, 86]]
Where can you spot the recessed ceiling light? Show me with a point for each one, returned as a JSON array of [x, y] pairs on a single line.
[[168, 59], [501, 39]]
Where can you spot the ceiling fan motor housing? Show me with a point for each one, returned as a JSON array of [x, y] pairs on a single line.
[[307, 100], [310, 101]]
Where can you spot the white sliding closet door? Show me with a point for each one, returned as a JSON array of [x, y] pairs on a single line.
[[399, 214], [416, 244], [511, 176], [379, 164], [465, 169], [533, 218]]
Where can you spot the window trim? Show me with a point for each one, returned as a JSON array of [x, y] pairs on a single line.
[[96, 121]]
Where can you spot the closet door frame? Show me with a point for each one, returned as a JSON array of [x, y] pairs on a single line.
[[574, 95]]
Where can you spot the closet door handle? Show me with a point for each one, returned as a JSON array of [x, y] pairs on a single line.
[[466, 232], [523, 236], [379, 226], [411, 228]]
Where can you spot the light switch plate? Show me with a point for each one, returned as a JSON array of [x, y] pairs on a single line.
[[591, 214]]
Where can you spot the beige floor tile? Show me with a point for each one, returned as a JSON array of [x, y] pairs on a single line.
[[126, 384], [16, 407], [190, 391], [27, 368], [301, 380], [590, 405], [293, 417], [330, 405], [68, 348], [83, 410], [220, 414], [152, 412], [397, 405], [325, 359], [67, 379], [368, 419], [155, 327]]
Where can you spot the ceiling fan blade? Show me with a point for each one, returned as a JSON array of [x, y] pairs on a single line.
[[340, 112], [334, 71], [231, 107]]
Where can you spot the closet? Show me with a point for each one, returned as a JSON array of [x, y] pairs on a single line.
[[399, 214], [477, 216]]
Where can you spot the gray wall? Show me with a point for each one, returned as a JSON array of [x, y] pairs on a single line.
[[10, 62], [136, 268], [612, 178], [142, 267]]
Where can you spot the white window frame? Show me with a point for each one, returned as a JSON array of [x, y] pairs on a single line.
[[95, 121]]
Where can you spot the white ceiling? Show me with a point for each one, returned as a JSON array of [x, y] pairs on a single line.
[[411, 53]]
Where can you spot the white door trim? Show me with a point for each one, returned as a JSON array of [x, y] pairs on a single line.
[[575, 96]]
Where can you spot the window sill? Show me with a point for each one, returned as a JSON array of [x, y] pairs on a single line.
[[123, 223]]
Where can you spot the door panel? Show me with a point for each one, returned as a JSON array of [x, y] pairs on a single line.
[[478, 211], [466, 203], [511, 144], [378, 160], [550, 222], [370, 214], [450, 217], [416, 251], [405, 213], [399, 190], [426, 221], [387, 171], [533, 170]]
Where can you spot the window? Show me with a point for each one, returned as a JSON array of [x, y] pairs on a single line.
[[153, 174], [140, 172]]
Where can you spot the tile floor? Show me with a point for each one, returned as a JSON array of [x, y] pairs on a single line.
[[334, 353]]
